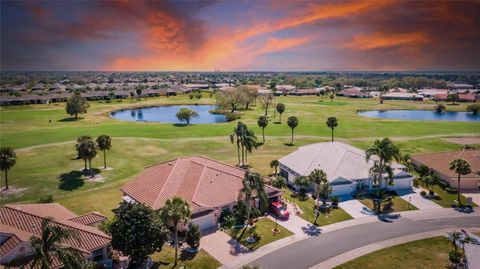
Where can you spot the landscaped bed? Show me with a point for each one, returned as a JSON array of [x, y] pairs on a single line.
[[264, 229], [306, 206], [426, 253], [166, 259], [446, 199], [398, 205]]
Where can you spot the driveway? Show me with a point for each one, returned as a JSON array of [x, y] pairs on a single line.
[[474, 194], [219, 245], [354, 208], [414, 197], [297, 225]]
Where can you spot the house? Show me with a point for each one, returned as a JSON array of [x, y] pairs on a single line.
[[19, 222], [439, 162], [345, 166], [302, 92], [402, 96], [462, 97], [353, 93], [209, 186]]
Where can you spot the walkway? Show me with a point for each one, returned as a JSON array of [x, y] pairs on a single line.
[[354, 208], [218, 244], [417, 200]]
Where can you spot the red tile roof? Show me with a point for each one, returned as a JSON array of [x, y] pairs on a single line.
[[440, 161], [25, 219], [90, 218], [10, 244], [203, 182]]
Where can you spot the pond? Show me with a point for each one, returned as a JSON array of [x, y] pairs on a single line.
[[167, 114], [421, 115]]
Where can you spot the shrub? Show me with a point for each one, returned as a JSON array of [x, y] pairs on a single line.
[[279, 182], [193, 235], [335, 201], [467, 147], [314, 196], [474, 108], [416, 183], [255, 213], [45, 199], [231, 117], [440, 108], [451, 190], [442, 184], [423, 193]]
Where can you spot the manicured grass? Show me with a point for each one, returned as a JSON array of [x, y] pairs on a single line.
[[264, 230], [44, 143], [200, 260], [398, 205], [335, 215], [427, 253], [445, 199]]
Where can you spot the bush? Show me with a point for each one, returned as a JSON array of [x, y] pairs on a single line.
[[474, 108], [451, 190], [314, 196], [416, 182], [231, 117], [423, 193], [279, 182], [193, 235], [255, 213], [45, 199], [335, 201], [442, 184]]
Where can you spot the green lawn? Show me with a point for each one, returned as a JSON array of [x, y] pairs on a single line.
[[200, 260], [429, 253], [398, 205], [445, 199], [335, 215], [264, 229], [44, 143]]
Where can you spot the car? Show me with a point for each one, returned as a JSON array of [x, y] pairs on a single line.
[[279, 210]]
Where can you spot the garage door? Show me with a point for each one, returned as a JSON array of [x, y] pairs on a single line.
[[206, 222], [402, 184], [343, 189]]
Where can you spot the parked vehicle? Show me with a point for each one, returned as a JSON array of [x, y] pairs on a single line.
[[279, 210]]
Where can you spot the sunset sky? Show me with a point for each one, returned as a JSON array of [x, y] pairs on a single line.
[[240, 35]]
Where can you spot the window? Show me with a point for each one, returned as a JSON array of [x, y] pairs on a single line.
[[97, 255]]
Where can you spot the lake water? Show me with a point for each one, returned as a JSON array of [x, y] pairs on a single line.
[[166, 114], [421, 115]]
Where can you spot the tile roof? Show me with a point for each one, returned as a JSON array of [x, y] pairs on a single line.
[[89, 219], [440, 161], [203, 182], [24, 218], [9, 244]]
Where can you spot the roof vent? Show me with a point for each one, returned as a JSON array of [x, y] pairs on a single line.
[[19, 208], [169, 164]]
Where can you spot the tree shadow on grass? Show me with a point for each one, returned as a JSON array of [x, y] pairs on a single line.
[[259, 144], [187, 256], [180, 125], [289, 144], [71, 180], [277, 122], [69, 119]]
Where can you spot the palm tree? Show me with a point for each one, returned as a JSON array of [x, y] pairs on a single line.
[[80, 139], [454, 237], [49, 246], [249, 142], [461, 167], [386, 152], [8, 158], [253, 186], [280, 110], [318, 177], [262, 123], [332, 123], [104, 143], [175, 211], [292, 123], [87, 150], [429, 181], [302, 182], [274, 164]]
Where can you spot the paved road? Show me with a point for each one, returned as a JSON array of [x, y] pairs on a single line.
[[311, 251]]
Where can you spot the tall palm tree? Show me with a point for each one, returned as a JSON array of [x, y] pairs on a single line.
[[318, 177], [429, 181], [254, 187], [80, 139], [104, 143], [49, 246], [249, 142], [175, 211], [292, 123], [332, 123], [87, 150], [385, 152], [460, 167], [274, 164], [262, 123], [8, 158], [280, 110]]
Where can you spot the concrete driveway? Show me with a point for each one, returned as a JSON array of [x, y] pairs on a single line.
[[474, 194], [414, 197], [354, 208], [297, 225]]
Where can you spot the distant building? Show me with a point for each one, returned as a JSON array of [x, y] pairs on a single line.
[[353, 93], [402, 96]]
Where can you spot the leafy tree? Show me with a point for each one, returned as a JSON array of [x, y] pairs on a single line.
[[406, 160], [386, 152], [332, 95], [76, 104], [324, 190], [292, 123], [280, 110], [137, 233], [266, 101], [175, 211], [104, 143], [279, 182], [473, 108], [262, 123], [429, 181], [453, 97], [49, 246], [8, 158], [302, 182], [193, 235], [440, 108], [185, 114], [87, 150], [461, 168], [274, 164], [332, 123], [138, 90]]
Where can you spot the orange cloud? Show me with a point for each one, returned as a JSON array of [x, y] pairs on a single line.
[[274, 44], [382, 40]]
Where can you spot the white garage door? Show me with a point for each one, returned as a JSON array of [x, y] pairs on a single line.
[[205, 222], [402, 184], [343, 189]]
